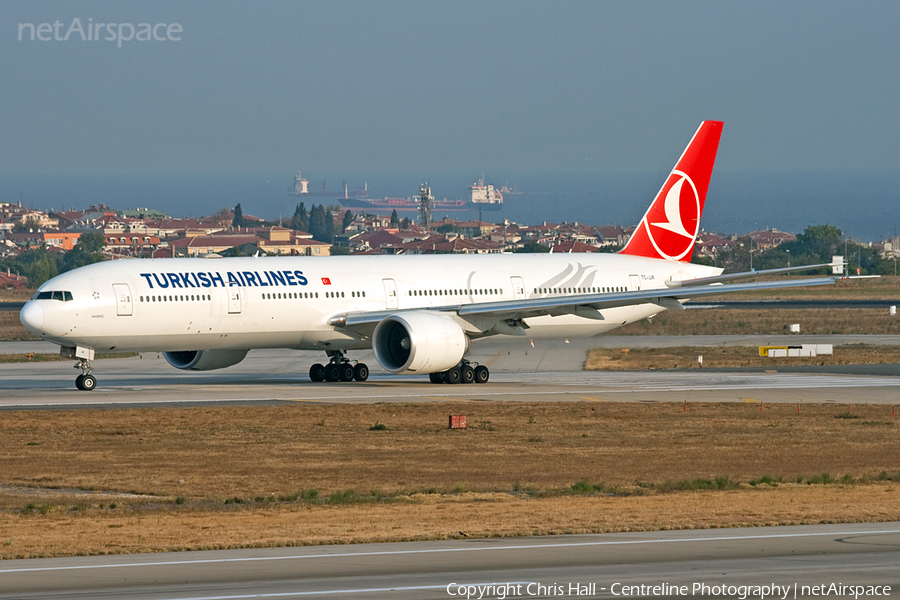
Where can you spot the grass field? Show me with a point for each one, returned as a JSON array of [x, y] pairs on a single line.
[[126, 480], [628, 359], [819, 321], [881, 288]]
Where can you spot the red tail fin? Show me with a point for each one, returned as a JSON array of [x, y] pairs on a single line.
[[670, 226]]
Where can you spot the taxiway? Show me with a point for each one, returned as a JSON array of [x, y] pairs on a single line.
[[549, 371], [789, 557]]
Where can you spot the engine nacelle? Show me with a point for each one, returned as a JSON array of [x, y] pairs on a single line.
[[204, 360], [418, 342]]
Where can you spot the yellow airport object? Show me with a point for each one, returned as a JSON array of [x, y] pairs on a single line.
[[764, 350]]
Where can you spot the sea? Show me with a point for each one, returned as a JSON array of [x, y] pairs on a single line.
[[863, 204]]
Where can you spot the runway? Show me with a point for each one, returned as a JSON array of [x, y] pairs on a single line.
[[550, 371], [601, 566]]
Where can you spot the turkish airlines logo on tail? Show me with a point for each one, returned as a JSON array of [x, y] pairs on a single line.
[[672, 222]]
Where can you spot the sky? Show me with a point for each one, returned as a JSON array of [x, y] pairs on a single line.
[[439, 86]]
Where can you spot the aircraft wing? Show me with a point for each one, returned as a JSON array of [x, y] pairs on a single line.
[[748, 275], [584, 305]]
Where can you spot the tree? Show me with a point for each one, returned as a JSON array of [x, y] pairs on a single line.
[[248, 249], [87, 251], [38, 265], [532, 247], [395, 220], [321, 224], [737, 258], [348, 219], [238, 220], [404, 223], [30, 224], [329, 228], [223, 217], [300, 220], [816, 245], [317, 223]]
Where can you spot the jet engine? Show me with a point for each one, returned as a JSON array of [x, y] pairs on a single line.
[[204, 360], [419, 342]]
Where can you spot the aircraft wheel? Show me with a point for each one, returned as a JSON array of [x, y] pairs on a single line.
[[436, 377], [86, 382], [482, 374], [332, 373], [346, 372], [453, 375], [360, 372], [468, 374], [317, 372]]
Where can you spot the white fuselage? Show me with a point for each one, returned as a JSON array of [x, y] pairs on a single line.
[[288, 302]]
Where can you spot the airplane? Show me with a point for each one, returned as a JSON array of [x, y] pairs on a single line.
[[419, 313]]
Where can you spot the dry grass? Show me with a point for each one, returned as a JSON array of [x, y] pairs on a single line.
[[11, 328], [817, 321], [880, 288], [628, 359], [63, 531], [510, 473], [9, 295]]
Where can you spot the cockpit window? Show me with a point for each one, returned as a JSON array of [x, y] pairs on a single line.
[[61, 296]]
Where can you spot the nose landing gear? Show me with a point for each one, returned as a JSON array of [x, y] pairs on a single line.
[[85, 382], [339, 369]]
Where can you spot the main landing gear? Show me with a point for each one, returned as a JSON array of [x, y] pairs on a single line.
[[462, 373], [85, 382], [339, 369]]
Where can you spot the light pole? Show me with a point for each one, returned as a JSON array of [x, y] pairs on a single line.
[[751, 254], [789, 258]]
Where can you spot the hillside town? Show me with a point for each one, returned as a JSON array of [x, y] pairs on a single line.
[[147, 233]]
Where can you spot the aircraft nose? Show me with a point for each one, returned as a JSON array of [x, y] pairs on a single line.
[[32, 317]]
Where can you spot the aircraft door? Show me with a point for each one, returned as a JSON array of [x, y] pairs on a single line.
[[635, 282], [235, 299], [123, 299], [518, 287], [390, 294]]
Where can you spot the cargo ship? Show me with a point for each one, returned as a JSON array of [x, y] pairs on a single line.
[[301, 188], [481, 197]]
